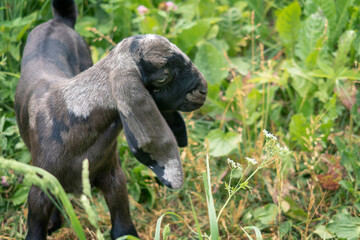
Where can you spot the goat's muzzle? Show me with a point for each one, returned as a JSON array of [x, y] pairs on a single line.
[[196, 97]]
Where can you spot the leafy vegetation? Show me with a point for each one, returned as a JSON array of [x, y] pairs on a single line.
[[291, 67]]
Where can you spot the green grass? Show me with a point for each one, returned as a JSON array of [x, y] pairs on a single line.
[[291, 67]]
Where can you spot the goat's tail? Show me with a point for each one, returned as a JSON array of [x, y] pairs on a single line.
[[65, 11]]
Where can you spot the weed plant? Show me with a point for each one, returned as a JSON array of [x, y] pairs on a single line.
[[288, 66]]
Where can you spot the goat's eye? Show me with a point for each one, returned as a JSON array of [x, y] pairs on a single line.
[[162, 80]]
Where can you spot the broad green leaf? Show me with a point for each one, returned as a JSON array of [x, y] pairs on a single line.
[[321, 231], [347, 185], [302, 81], [221, 144], [344, 46], [310, 7], [229, 26], [297, 127], [296, 71], [342, 12], [311, 39], [230, 22], [330, 108], [302, 87], [325, 70], [345, 226], [237, 173], [219, 44], [206, 8], [328, 7], [292, 209], [83, 24], [189, 37], [211, 62], [21, 32], [288, 25], [357, 205], [187, 10], [150, 24], [253, 100], [348, 74], [234, 88], [2, 123], [304, 106], [20, 196], [323, 89], [266, 215], [241, 65], [285, 228], [213, 32], [15, 51]]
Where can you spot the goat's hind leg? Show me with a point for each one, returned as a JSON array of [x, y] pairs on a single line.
[[55, 221], [40, 209], [113, 186]]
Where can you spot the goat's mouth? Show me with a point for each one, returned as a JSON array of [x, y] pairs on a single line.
[[194, 100], [190, 106]]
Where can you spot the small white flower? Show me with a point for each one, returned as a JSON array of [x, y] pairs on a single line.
[[233, 164], [285, 150], [269, 135], [251, 160]]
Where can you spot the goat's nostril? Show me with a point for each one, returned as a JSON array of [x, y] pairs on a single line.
[[203, 91]]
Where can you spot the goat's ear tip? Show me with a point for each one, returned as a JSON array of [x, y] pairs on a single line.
[[177, 185], [174, 184], [170, 174]]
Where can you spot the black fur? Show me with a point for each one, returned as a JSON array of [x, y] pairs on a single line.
[[65, 11], [68, 110]]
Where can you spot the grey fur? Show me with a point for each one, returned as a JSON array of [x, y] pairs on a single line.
[[66, 114]]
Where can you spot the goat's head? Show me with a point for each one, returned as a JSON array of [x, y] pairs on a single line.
[[168, 74], [153, 81]]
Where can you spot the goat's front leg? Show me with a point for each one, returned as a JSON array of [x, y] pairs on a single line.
[[40, 209], [113, 186]]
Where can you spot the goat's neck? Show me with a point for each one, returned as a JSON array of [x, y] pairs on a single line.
[[89, 90]]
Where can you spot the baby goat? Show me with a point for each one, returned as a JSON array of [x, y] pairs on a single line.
[[68, 110]]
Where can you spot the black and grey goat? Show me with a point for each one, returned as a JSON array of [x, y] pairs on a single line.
[[68, 110]]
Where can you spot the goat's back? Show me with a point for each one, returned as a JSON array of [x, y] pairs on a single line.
[[54, 49], [53, 52]]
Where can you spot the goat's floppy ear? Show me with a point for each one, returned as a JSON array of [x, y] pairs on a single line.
[[149, 137], [177, 126]]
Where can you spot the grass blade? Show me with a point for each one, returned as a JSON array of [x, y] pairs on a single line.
[[214, 229], [256, 230], [47, 183], [196, 220], [159, 221]]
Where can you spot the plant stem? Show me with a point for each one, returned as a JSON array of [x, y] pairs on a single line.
[[225, 204]]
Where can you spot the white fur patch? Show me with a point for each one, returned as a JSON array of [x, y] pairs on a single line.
[[87, 91], [173, 173]]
